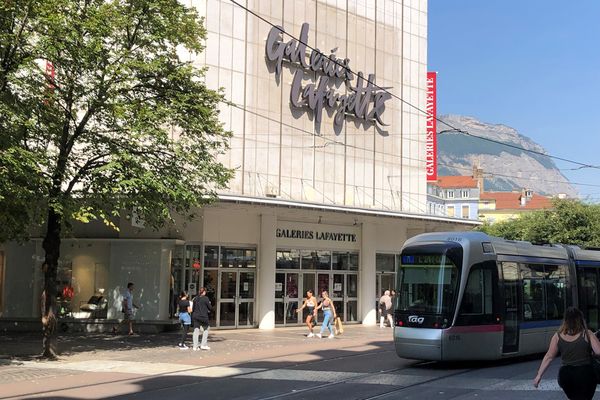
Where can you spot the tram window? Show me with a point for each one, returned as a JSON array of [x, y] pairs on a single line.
[[588, 295], [477, 302], [555, 291], [534, 307]]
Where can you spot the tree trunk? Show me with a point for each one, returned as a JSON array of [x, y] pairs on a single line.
[[51, 246]]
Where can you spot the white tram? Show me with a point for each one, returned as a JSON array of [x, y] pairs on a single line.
[[470, 296]]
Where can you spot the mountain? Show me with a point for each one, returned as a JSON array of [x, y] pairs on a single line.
[[505, 168]]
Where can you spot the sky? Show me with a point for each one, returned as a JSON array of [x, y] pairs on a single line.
[[533, 65]]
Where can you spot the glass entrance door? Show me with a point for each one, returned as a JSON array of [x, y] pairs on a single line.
[[351, 314], [287, 298], [343, 290], [236, 298], [385, 281]]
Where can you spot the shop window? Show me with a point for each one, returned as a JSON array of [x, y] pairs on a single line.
[[353, 261], [2, 291], [233, 257], [288, 259], [345, 261], [316, 259], [192, 256], [211, 256], [339, 261], [64, 288], [385, 262]]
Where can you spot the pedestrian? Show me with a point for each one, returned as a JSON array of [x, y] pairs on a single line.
[[575, 343], [185, 318], [328, 315], [127, 306], [310, 302], [385, 308], [201, 308]]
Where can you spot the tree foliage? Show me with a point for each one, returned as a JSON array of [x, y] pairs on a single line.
[[121, 123], [567, 222], [102, 113]]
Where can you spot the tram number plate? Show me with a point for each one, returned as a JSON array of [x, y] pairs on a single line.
[[453, 338]]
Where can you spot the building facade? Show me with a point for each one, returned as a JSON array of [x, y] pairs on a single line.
[[454, 196], [503, 206], [329, 174]]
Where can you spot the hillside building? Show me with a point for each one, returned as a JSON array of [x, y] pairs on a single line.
[[454, 196], [502, 206]]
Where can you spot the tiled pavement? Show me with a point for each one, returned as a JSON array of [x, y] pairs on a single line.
[[254, 364]]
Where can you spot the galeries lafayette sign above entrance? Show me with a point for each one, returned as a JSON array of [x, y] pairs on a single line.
[[362, 100]]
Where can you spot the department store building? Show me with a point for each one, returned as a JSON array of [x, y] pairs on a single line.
[[330, 174]]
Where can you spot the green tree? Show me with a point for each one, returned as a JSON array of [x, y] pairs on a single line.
[[567, 222], [103, 117]]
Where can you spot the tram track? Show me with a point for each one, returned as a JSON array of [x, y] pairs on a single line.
[[367, 375], [188, 368], [406, 387]]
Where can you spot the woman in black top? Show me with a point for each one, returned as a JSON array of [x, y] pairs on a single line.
[[185, 309], [575, 344]]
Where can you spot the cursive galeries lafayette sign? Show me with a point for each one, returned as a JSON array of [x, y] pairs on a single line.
[[362, 100]]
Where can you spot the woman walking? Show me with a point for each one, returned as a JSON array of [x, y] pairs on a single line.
[[185, 309], [575, 344], [329, 315], [310, 302]]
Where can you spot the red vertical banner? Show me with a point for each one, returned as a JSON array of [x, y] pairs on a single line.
[[431, 137], [49, 81], [50, 74]]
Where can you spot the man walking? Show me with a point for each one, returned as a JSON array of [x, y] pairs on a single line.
[[201, 308], [385, 306], [127, 309]]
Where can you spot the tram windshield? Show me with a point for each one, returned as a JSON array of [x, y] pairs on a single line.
[[429, 281]]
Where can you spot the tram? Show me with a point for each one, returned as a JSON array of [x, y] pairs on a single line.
[[470, 296]]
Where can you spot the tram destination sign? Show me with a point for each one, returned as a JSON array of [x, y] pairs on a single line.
[[362, 99]]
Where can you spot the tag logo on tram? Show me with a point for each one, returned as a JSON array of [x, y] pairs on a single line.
[[415, 319]]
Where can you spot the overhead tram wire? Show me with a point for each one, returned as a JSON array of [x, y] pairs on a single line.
[[514, 146], [494, 174], [335, 142], [453, 128]]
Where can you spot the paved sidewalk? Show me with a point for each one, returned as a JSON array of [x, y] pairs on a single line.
[[252, 364], [103, 358]]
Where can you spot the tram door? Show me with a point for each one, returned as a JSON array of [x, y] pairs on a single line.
[[511, 307], [587, 287]]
